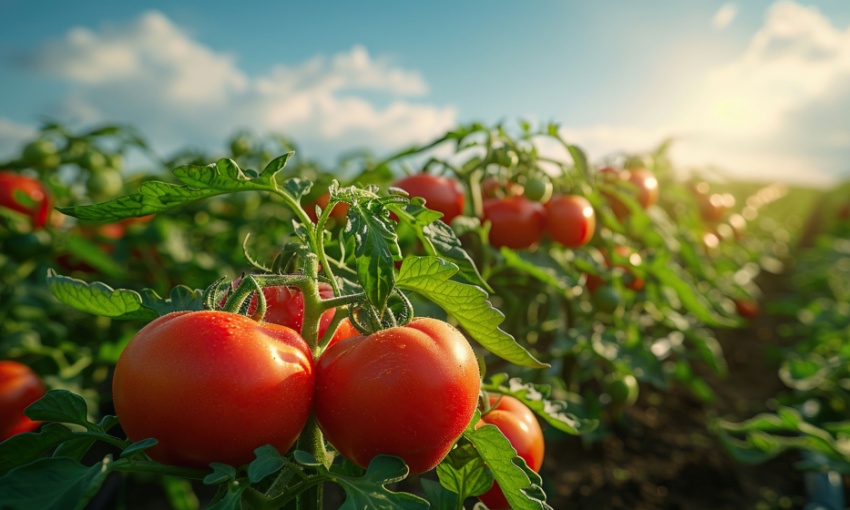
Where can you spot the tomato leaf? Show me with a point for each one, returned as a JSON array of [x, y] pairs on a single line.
[[232, 499], [51, 483], [438, 496], [368, 491], [224, 176], [138, 446], [431, 277], [23, 448], [535, 396], [59, 406], [520, 485], [268, 461], [75, 448], [221, 473], [91, 254], [100, 299], [375, 249], [539, 272], [667, 274], [464, 473]]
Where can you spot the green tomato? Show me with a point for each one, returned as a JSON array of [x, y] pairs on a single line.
[[105, 184], [41, 154], [240, 145], [538, 190], [623, 389], [606, 299], [115, 161], [94, 161]]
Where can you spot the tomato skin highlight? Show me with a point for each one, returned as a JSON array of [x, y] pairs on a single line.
[[19, 387], [213, 386], [515, 222], [12, 184], [442, 194], [516, 421], [408, 391], [570, 220]]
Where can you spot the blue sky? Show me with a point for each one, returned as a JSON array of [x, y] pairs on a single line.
[[758, 88]]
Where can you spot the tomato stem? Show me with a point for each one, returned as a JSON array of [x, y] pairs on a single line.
[[312, 441]]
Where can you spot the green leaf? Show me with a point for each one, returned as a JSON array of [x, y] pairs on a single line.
[[75, 448], [153, 197], [368, 491], [232, 499], [92, 254], [298, 188], [554, 279], [466, 478], [51, 483], [138, 446], [438, 496], [305, 459], [60, 406], [221, 473], [268, 461], [520, 485], [27, 447], [375, 249], [579, 159], [440, 240], [101, 299], [431, 277], [555, 412], [695, 303]]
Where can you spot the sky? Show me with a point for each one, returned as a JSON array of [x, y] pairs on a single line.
[[758, 88]]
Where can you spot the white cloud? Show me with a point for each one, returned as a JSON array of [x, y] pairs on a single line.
[[724, 16], [778, 111], [153, 74]]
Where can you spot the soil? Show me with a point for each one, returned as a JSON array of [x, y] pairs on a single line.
[[662, 454]]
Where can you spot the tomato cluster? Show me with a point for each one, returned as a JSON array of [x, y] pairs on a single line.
[[212, 386]]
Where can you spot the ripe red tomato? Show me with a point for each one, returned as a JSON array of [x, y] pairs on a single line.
[[19, 387], [407, 391], [339, 212], [570, 220], [515, 222], [441, 194], [747, 308], [642, 179], [15, 187], [518, 424], [213, 386]]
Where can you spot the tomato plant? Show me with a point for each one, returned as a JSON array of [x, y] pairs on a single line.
[[19, 387], [338, 213], [170, 384], [25, 195], [422, 379], [520, 427], [515, 222], [570, 220], [442, 194]]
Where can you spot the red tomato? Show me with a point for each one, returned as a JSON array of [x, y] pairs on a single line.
[[441, 194], [15, 187], [515, 222], [518, 424], [407, 391], [339, 212], [19, 387], [213, 386], [747, 308], [570, 220], [625, 258], [492, 187], [647, 186], [345, 330]]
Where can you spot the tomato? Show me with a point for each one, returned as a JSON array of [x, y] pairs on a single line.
[[515, 222], [623, 389], [93, 160], [747, 308], [19, 387], [213, 386], [518, 424], [25, 195], [408, 391], [712, 208], [538, 190], [606, 298], [643, 183], [492, 187], [106, 183], [570, 220], [345, 330], [441, 194], [41, 154], [240, 145], [339, 212], [623, 257]]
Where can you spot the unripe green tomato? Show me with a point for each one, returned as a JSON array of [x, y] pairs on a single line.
[[623, 389], [105, 184], [606, 299], [115, 161], [240, 145], [538, 190], [93, 160], [28, 246], [41, 154]]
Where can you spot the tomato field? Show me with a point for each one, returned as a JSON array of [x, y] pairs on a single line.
[[493, 319]]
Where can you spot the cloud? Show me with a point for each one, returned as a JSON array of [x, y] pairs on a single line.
[[777, 111], [724, 16], [12, 136], [152, 73]]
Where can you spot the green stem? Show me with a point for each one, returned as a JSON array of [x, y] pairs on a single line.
[[312, 441]]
